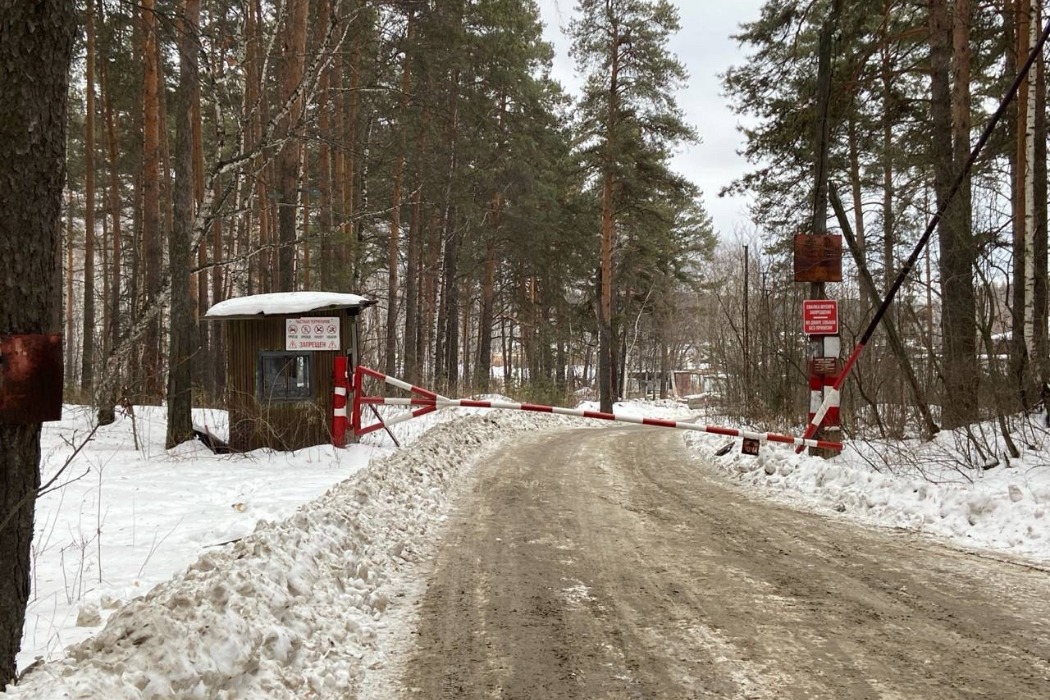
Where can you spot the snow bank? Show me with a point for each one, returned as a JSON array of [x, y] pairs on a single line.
[[915, 487], [120, 520], [290, 610]]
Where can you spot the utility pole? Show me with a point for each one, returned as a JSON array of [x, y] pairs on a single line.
[[747, 338], [824, 348]]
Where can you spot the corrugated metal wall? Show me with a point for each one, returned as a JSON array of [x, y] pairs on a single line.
[[280, 425]]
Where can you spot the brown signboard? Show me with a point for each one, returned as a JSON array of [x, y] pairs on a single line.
[[30, 378], [823, 366], [749, 447], [818, 258]]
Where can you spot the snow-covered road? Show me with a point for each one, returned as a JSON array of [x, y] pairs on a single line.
[[610, 564]]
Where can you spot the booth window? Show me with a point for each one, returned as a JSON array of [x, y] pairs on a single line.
[[283, 376]]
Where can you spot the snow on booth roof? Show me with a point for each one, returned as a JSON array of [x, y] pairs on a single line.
[[280, 303]]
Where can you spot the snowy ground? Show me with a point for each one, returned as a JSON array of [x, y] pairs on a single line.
[[183, 574], [920, 487]]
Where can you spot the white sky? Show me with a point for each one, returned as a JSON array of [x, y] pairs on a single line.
[[705, 48]]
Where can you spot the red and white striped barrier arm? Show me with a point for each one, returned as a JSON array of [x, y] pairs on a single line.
[[359, 373], [387, 422], [582, 413]]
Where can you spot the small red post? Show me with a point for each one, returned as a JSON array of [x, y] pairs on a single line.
[[339, 402], [355, 387]]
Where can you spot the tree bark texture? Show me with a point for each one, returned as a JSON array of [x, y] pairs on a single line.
[[105, 404], [394, 240], [958, 325], [151, 196], [414, 266], [1021, 310], [36, 40], [88, 358], [182, 334], [288, 162], [1040, 248], [606, 351]]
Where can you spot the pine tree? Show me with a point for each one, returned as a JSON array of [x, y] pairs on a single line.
[[36, 43], [957, 252], [629, 122], [182, 335]]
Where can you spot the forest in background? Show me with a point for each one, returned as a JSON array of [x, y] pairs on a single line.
[[414, 152], [420, 153]]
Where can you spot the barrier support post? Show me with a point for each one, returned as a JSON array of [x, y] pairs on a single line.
[[339, 382], [356, 388]]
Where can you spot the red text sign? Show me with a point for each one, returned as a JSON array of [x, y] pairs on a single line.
[[820, 317]]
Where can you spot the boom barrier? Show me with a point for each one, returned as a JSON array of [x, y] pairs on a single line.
[[427, 401]]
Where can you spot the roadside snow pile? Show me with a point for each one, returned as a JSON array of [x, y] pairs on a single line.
[[290, 610], [923, 488], [121, 519]]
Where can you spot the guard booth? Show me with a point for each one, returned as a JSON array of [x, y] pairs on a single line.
[[281, 351]]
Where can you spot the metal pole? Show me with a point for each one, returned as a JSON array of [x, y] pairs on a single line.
[[747, 339]]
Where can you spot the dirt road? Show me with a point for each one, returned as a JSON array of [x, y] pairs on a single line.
[[608, 564]]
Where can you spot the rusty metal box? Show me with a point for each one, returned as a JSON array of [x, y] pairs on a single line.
[[818, 258], [30, 378]]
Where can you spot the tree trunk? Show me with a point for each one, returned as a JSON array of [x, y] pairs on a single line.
[[448, 322], [218, 347], [293, 59], [425, 342], [70, 347], [36, 43], [181, 337], [483, 366], [106, 404], [1040, 228], [87, 376], [889, 236], [413, 269], [349, 187], [393, 242], [1029, 202], [151, 233], [207, 371], [958, 323], [447, 357], [324, 163], [606, 352]]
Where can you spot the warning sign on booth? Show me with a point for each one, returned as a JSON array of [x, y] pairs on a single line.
[[320, 333], [820, 317]]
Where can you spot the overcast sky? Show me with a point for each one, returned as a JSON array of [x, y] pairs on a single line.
[[704, 46]]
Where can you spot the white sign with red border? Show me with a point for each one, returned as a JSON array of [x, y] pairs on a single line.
[[820, 317], [319, 333]]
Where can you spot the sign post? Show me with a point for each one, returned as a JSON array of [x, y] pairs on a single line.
[[818, 259]]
